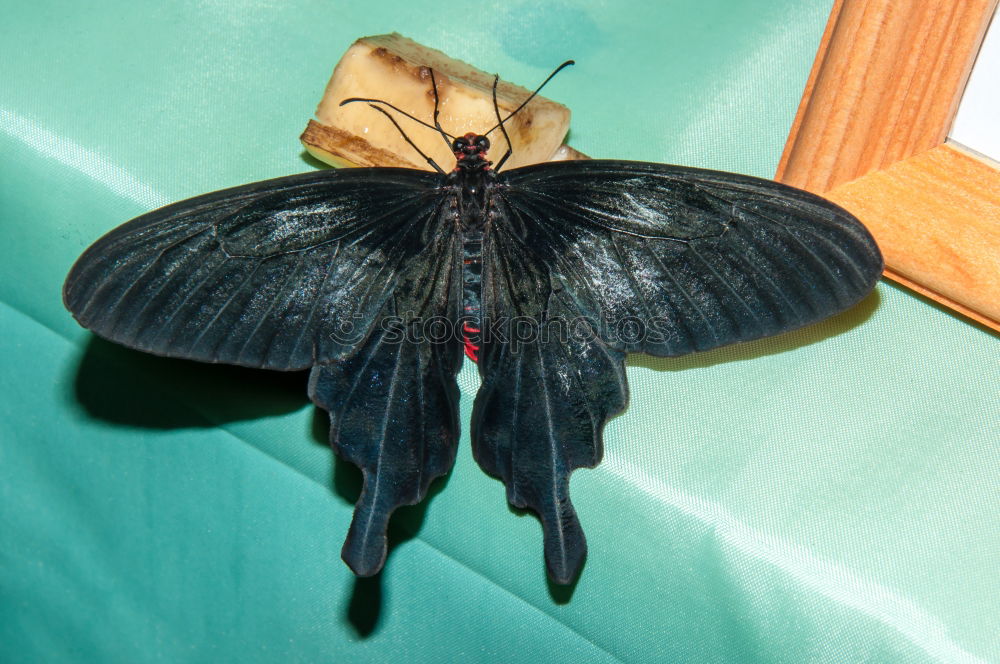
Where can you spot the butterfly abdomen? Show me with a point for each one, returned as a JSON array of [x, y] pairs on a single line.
[[472, 274]]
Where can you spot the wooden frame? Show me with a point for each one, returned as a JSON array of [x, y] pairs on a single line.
[[870, 134]]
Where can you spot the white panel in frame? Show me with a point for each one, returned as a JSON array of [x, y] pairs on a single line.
[[977, 123]]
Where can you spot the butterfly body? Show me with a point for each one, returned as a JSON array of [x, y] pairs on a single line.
[[470, 186]]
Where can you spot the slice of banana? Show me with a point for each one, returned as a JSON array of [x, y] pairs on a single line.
[[397, 70]]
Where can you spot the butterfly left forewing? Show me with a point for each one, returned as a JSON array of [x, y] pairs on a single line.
[[668, 260]]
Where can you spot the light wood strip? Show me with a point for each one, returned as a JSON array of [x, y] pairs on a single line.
[[884, 86], [883, 90], [936, 217]]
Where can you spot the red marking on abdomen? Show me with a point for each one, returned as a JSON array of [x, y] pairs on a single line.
[[471, 348]]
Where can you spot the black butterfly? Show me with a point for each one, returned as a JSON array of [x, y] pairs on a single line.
[[377, 278]]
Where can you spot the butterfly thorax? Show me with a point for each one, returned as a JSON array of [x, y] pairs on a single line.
[[472, 179], [472, 190]]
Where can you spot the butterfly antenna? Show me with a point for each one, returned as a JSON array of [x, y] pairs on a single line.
[[496, 109], [407, 138], [448, 138], [352, 100], [532, 96]]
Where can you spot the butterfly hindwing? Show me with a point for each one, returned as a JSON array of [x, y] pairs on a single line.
[[264, 275], [394, 404], [547, 391]]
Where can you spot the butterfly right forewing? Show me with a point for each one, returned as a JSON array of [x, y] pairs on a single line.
[[320, 270]]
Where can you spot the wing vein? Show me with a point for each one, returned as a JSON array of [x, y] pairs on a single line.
[[626, 268], [135, 281], [578, 211], [187, 298], [381, 446], [553, 457], [683, 291], [774, 289], [317, 298], [514, 438], [562, 261], [232, 296], [137, 318], [267, 312], [729, 287], [824, 267]]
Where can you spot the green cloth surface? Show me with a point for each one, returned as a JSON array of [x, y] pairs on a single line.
[[830, 495]]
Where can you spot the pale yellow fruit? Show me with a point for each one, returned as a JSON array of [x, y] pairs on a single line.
[[397, 70]]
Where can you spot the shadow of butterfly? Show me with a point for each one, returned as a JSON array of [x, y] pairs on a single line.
[[380, 279]]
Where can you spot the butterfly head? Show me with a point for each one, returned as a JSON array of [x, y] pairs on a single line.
[[470, 151]]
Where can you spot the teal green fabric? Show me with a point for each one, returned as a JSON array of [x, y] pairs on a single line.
[[830, 495]]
